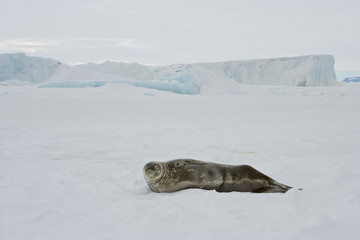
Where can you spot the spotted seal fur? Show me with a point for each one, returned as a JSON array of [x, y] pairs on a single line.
[[182, 174]]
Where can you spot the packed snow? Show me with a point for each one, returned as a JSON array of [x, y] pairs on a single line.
[[72, 159], [313, 70]]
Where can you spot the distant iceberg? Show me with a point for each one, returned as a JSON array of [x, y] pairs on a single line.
[[313, 70], [352, 79]]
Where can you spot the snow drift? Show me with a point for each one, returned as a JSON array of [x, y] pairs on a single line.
[[314, 70]]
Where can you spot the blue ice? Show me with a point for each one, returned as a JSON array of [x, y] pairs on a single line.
[[179, 82]]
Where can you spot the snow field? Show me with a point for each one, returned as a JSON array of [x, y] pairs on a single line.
[[72, 159]]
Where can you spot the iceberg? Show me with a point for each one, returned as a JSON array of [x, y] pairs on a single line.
[[108, 71], [127, 70], [180, 83], [195, 78], [313, 70], [18, 66], [352, 79]]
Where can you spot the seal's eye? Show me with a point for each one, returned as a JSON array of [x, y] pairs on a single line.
[[156, 167], [149, 172]]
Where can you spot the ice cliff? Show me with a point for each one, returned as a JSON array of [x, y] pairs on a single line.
[[313, 70], [18, 66]]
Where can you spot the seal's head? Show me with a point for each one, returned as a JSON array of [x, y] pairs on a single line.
[[153, 171]]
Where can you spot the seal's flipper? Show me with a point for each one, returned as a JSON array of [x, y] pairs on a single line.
[[273, 188]]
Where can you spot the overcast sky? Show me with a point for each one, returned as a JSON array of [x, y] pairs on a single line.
[[182, 31]]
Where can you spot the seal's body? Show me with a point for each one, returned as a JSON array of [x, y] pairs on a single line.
[[182, 174]]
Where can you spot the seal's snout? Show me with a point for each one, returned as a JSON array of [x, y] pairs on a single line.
[[148, 166]]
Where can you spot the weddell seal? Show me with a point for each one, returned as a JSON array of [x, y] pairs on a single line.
[[182, 174]]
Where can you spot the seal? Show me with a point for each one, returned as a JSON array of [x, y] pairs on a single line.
[[182, 174]]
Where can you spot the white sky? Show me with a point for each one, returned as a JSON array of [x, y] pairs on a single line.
[[182, 31]]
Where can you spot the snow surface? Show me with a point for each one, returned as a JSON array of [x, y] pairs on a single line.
[[72, 159], [313, 70]]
